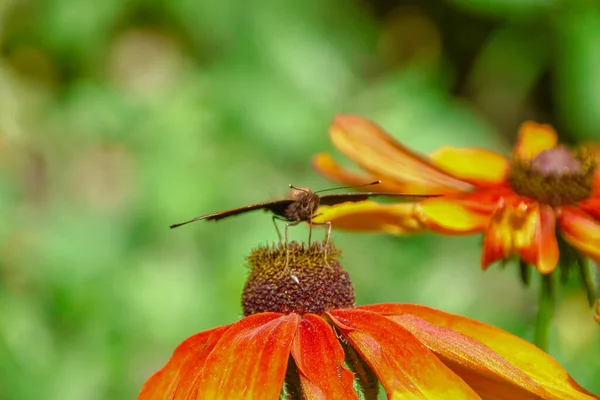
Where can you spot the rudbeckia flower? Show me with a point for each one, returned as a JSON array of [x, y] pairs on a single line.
[[302, 338], [518, 202]]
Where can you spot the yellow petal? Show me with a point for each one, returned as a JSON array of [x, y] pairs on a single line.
[[447, 216], [378, 153], [479, 166], [533, 139], [370, 216]]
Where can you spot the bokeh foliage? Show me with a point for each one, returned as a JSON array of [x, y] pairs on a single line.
[[118, 118]]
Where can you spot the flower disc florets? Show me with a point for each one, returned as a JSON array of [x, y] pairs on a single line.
[[297, 279], [556, 177]]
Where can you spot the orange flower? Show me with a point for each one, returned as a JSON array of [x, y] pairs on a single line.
[[517, 202], [322, 347]]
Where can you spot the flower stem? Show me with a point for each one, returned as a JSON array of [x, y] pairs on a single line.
[[546, 308]]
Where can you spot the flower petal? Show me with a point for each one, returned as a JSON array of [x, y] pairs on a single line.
[[320, 361], [248, 362], [163, 383], [378, 153], [485, 371], [370, 216], [545, 248], [405, 367], [526, 229], [580, 230], [541, 367], [478, 166], [445, 215], [533, 139], [591, 206], [330, 169]]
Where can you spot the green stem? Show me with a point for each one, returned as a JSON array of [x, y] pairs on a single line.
[[546, 308]]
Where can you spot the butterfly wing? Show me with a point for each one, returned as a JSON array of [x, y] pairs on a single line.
[[276, 206], [337, 198]]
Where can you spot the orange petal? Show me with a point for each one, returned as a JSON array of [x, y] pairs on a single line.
[[162, 384], [370, 216], [378, 153], [320, 361], [249, 361], [580, 230], [405, 367], [533, 139], [446, 215], [524, 229], [598, 312], [545, 245], [539, 366], [330, 169], [478, 166]]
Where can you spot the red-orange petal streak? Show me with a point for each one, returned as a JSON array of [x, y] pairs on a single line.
[[163, 383], [374, 150], [320, 361], [541, 367], [478, 166], [370, 216], [533, 139], [445, 215], [580, 230], [405, 367], [248, 362]]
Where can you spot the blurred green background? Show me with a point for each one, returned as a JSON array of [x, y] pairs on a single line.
[[119, 118]]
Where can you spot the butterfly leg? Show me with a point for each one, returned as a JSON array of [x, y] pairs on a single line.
[[276, 228], [327, 236], [287, 250]]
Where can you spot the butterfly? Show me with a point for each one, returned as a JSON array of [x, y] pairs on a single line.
[[300, 206]]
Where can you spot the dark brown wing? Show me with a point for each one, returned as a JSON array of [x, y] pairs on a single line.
[[276, 206], [337, 198]]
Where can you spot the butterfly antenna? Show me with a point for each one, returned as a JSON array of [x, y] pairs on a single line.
[[349, 187], [184, 223]]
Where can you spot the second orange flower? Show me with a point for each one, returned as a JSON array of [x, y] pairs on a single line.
[[517, 202]]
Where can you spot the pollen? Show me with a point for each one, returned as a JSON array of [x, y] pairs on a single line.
[[296, 279], [556, 177]]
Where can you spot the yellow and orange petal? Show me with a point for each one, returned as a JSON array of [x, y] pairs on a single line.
[[527, 230], [403, 365], [370, 216], [446, 215], [369, 146], [533, 139], [580, 230], [471, 349]]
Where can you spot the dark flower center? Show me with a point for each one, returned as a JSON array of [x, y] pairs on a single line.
[[297, 279], [557, 176]]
